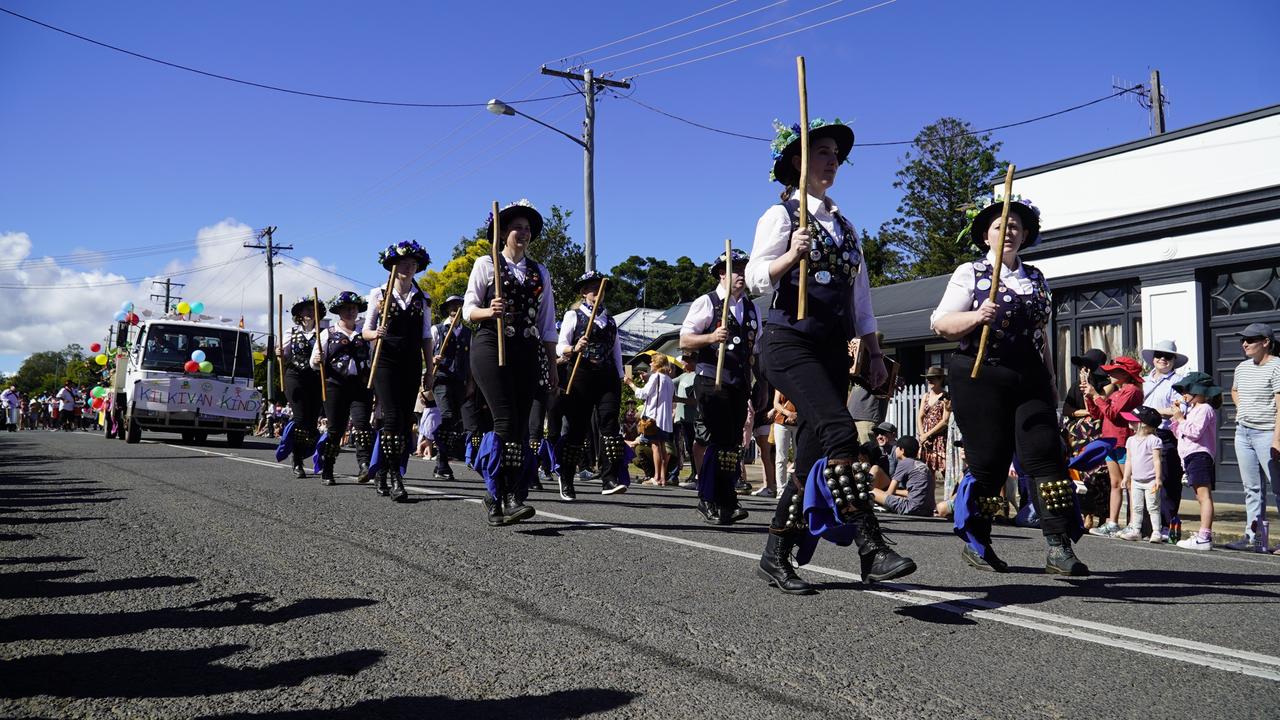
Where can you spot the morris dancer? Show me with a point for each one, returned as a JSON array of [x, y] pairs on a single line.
[[452, 364], [301, 387], [347, 357]]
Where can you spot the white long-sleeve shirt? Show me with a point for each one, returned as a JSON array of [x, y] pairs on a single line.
[[374, 316], [482, 277], [657, 395], [66, 398], [564, 344], [702, 317], [773, 238], [958, 297], [9, 398]]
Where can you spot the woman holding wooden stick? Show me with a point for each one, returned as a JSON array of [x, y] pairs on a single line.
[[347, 358], [589, 344], [807, 359], [517, 301], [720, 329], [301, 386], [400, 325], [1011, 404], [451, 339]]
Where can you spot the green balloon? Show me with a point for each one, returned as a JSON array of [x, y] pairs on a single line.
[[206, 367]]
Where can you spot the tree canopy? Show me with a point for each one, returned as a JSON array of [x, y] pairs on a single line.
[[46, 371], [653, 283]]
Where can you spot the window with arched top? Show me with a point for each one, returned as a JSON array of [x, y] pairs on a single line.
[[1245, 291]]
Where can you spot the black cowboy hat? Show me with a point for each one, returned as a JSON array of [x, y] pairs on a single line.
[[451, 300], [1091, 359], [304, 301], [740, 259], [522, 209], [588, 277], [789, 139], [1026, 211]]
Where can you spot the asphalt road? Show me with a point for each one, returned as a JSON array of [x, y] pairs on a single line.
[[160, 580]]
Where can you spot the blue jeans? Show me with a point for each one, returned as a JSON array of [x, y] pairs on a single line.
[[1253, 452]]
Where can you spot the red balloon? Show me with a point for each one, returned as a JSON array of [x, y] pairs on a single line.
[[132, 318], [97, 403], [96, 347], [191, 366]]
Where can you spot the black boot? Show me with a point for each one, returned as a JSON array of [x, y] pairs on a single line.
[[710, 512], [514, 510], [1061, 559], [363, 440], [398, 493], [363, 475], [879, 561], [567, 491], [380, 483], [493, 509], [442, 471], [776, 568], [298, 470], [326, 472], [991, 562]]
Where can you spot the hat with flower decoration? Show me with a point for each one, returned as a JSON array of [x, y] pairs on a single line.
[[589, 277], [521, 208], [305, 301], [346, 297], [395, 252], [985, 211], [740, 259], [786, 145]]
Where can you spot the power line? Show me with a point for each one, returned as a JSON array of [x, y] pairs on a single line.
[[301, 261], [756, 42], [1028, 121], [85, 285], [691, 32], [125, 253], [641, 33], [252, 83]]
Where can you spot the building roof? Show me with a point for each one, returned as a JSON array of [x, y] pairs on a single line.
[[903, 309], [638, 327]]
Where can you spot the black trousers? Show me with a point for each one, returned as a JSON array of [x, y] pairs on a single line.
[[302, 389], [396, 385], [448, 392], [813, 372], [1009, 408], [597, 394], [509, 390], [721, 413], [348, 401]]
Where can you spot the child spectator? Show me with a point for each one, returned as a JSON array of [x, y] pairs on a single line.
[[1126, 376], [1195, 424], [1142, 471]]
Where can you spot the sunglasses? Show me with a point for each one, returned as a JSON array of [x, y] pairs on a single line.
[[1162, 356], [1252, 340]]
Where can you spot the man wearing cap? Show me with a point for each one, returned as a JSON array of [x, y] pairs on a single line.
[[1126, 375], [911, 490], [722, 408], [887, 438], [1256, 393], [452, 363]]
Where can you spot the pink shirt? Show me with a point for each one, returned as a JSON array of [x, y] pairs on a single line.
[[1140, 457], [1198, 432]]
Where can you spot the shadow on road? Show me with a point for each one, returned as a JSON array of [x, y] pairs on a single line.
[[560, 705], [42, 584], [165, 673]]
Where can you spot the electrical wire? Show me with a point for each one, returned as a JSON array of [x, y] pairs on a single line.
[[756, 42], [303, 261], [642, 33], [85, 285], [251, 83], [685, 34], [1028, 121], [126, 253]]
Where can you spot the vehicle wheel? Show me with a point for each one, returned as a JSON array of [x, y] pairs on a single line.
[[200, 437], [188, 437], [235, 439], [133, 431]]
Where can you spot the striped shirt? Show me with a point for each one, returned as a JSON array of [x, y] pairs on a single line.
[[1257, 387]]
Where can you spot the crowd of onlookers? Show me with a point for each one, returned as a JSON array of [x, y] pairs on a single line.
[[68, 408]]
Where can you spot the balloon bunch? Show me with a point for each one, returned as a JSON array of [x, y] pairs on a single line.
[[126, 314], [186, 308], [99, 394], [198, 363]]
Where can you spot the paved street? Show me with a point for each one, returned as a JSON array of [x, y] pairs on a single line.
[[159, 580]]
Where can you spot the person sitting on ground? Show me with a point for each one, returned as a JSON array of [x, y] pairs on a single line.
[[886, 437], [910, 492]]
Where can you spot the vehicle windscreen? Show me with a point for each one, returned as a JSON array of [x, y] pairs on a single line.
[[170, 347]]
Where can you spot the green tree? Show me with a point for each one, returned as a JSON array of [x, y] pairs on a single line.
[[47, 370], [946, 169], [452, 278], [653, 283], [885, 265]]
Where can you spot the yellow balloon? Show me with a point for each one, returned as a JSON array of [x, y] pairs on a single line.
[[258, 357], [101, 359], [184, 307]]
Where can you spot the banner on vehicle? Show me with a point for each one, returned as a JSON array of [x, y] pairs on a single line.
[[207, 397]]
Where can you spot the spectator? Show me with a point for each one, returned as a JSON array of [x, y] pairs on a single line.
[[1081, 428], [761, 407], [657, 395], [1142, 471], [886, 438], [784, 437], [1126, 375], [10, 401], [68, 413], [1257, 443], [1196, 428], [910, 492], [684, 418], [865, 408], [931, 422]]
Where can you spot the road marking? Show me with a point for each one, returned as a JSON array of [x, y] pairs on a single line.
[[1116, 637]]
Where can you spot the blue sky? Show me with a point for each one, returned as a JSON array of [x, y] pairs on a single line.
[[104, 151]]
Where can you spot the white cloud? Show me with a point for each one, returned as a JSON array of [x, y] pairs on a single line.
[[80, 310]]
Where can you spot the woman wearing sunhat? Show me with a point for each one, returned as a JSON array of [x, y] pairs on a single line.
[[1012, 405], [452, 364], [932, 419], [1157, 386], [722, 411], [596, 391], [403, 363], [807, 359], [527, 309], [301, 385], [346, 358]]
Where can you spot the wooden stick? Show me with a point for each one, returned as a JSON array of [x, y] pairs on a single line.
[[728, 298], [586, 334], [497, 284], [280, 340], [315, 325], [995, 272], [386, 305], [802, 303], [448, 334]]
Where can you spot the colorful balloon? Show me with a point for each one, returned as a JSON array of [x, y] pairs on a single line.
[[197, 308], [98, 403], [258, 357], [126, 306], [101, 359], [95, 347], [132, 318], [191, 366], [98, 392], [184, 307], [120, 316], [198, 356], [206, 367]]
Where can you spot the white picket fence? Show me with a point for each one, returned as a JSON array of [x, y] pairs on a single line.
[[902, 413]]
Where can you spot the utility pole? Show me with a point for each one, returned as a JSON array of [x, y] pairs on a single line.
[[588, 158], [169, 285], [1157, 104], [271, 298]]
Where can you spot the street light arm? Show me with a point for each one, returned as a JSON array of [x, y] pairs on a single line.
[[550, 127]]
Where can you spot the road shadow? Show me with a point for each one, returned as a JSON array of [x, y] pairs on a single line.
[[560, 705], [44, 584], [39, 560], [165, 673], [229, 611]]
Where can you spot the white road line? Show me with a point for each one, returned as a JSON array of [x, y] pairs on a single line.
[[1117, 637]]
